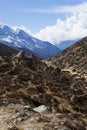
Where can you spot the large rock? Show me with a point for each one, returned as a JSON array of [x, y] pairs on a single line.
[[41, 109], [21, 54]]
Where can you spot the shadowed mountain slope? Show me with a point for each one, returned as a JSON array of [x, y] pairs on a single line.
[[6, 50]]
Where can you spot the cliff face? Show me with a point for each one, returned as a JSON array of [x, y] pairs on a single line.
[[28, 83], [73, 58]]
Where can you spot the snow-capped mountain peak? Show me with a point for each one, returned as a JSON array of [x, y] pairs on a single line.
[[20, 39], [23, 28]]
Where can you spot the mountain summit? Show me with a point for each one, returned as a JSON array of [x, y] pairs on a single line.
[[19, 39]]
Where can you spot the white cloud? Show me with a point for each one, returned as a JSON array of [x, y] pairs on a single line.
[[82, 7], [22, 28], [73, 27], [58, 9]]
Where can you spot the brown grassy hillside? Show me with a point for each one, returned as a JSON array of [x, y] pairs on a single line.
[[29, 81], [73, 58]]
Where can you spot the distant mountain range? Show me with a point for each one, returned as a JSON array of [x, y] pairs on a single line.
[[19, 39], [64, 44]]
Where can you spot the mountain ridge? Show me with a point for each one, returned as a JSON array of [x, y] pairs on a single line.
[[20, 39]]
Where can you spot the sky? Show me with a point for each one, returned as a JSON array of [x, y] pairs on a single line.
[[49, 20]]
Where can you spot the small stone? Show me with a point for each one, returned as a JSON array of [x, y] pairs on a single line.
[[13, 128], [4, 101], [39, 119], [27, 108], [22, 116]]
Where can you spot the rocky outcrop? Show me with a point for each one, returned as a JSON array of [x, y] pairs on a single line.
[[20, 55]]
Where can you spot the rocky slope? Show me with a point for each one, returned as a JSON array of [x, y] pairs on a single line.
[[73, 59], [37, 97]]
